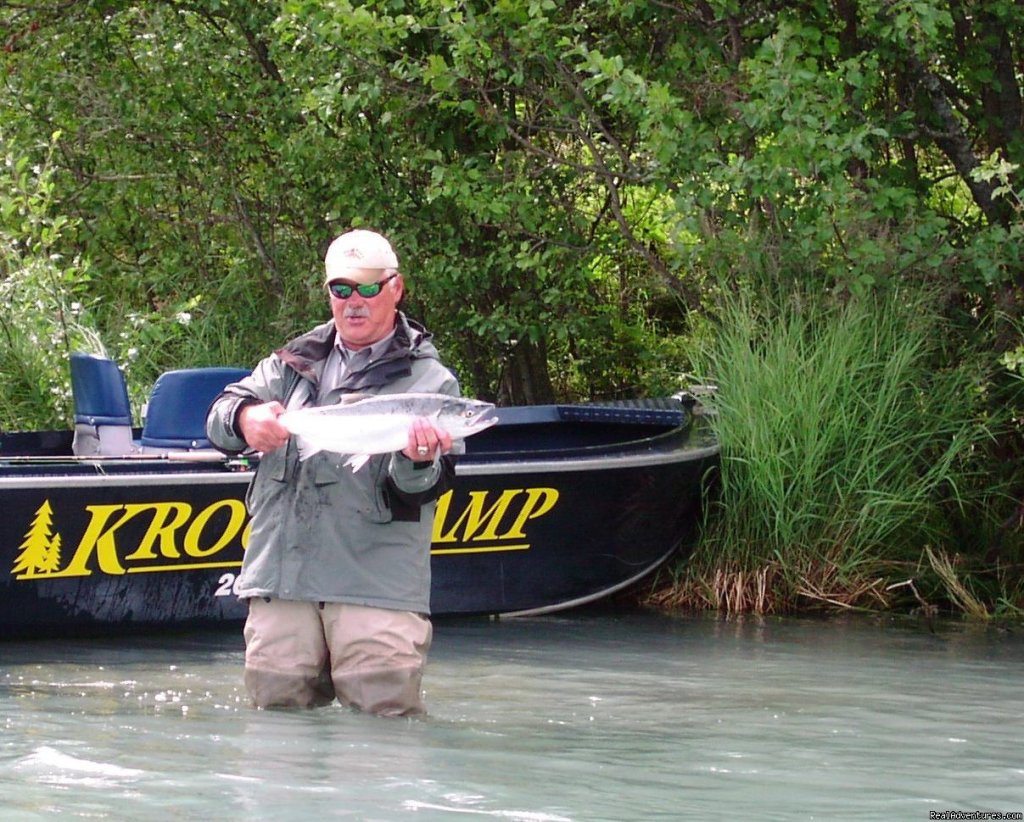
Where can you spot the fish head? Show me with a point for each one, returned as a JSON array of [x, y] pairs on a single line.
[[462, 417]]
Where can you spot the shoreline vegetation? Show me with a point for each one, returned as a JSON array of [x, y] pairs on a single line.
[[818, 209], [854, 471]]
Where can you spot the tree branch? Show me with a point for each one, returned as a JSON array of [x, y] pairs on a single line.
[[955, 143]]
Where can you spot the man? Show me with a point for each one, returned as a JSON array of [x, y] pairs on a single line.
[[337, 566]]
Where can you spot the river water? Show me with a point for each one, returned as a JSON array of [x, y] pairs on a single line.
[[590, 716]]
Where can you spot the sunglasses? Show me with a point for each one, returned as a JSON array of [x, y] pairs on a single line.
[[343, 290]]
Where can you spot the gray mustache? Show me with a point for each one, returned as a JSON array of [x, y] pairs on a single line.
[[356, 312]]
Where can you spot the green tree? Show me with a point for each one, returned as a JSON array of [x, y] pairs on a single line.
[[555, 173], [573, 187]]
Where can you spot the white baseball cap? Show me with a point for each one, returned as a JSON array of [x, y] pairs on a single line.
[[359, 255]]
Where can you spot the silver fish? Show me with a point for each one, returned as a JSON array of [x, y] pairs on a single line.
[[379, 424]]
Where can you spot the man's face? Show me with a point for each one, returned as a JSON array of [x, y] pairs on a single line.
[[362, 321]]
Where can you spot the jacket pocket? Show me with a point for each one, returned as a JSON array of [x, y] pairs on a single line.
[[362, 489], [271, 473]]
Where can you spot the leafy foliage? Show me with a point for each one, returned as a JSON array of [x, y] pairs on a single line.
[[549, 171], [571, 187], [38, 317]]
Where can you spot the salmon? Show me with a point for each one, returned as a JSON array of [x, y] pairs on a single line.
[[364, 425]]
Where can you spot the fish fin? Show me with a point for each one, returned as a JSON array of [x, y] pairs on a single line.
[[306, 448], [357, 461], [348, 399]]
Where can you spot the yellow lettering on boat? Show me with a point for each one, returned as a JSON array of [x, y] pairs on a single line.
[[474, 517], [100, 540], [231, 530], [102, 544], [480, 522], [160, 528], [538, 502], [176, 537]]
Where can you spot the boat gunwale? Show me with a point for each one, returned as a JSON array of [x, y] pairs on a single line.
[[688, 441], [212, 476]]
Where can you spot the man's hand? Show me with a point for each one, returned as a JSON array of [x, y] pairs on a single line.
[[259, 426], [426, 442]]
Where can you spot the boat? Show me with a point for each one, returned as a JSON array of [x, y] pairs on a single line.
[[110, 529]]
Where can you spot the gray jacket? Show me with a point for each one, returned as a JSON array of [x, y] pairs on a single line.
[[321, 532]]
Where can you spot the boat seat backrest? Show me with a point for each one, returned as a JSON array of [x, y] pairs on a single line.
[[176, 411], [99, 390], [103, 413]]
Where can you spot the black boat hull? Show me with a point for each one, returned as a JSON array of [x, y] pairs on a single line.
[[118, 546]]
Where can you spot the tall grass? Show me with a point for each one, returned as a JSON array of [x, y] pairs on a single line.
[[847, 450], [38, 330]]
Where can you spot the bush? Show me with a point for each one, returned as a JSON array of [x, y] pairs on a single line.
[[848, 455]]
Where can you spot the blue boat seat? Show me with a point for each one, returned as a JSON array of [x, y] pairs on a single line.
[[103, 414], [176, 412]]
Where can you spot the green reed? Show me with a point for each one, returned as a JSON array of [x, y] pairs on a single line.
[[848, 447]]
